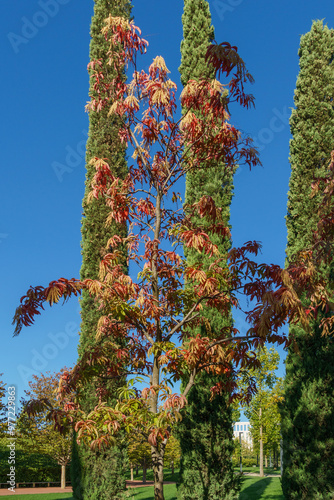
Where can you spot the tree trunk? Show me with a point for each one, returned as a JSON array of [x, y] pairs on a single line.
[[158, 473], [261, 446], [63, 477], [131, 472], [144, 470], [266, 461], [270, 461]]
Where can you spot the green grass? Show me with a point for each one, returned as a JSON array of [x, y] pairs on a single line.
[[256, 488], [253, 488], [147, 493]]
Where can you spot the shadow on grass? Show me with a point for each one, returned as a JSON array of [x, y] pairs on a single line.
[[148, 493], [255, 490], [261, 488]]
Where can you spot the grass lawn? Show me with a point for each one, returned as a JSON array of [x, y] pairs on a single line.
[[256, 488], [253, 488]]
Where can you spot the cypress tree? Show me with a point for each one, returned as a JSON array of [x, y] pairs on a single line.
[[99, 474], [205, 433], [308, 411]]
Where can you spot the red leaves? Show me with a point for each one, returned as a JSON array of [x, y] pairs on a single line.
[[199, 240], [35, 406], [36, 296], [155, 435], [175, 401], [223, 57], [207, 208], [62, 288]]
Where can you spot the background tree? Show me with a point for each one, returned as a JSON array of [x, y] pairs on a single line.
[[139, 452], [308, 412], [270, 420], [36, 433], [91, 477], [205, 433], [173, 452], [260, 411]]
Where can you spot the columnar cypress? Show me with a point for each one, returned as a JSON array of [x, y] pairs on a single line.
[[205, 433], [308, 412], [98, 475]]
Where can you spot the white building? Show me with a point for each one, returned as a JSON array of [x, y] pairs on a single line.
[[243, 428]]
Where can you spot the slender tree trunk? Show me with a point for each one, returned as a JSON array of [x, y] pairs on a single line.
[[266, 461], [261, 445], [131, 472], [63, 477], [270, 461], [144, 470]]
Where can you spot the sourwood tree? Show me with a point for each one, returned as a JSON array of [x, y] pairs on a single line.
[[308, 411], [205, 433], [144, 332], [90, 475]]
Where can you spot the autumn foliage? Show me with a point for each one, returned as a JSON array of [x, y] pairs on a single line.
[[152, 311]]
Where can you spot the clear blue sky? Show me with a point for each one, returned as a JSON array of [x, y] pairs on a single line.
[[44, 88]]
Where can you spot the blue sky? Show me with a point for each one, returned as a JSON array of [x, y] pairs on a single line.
[[44, 88]]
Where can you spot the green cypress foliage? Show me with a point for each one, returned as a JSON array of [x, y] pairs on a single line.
[[308, 411], [103, 142], [205, 433], [99, 475], [197, 35]]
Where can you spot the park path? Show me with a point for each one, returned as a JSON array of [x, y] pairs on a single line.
[[255, 474], [68, 489]]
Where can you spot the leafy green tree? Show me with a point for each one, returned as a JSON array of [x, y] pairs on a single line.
[[173, 452], [96, 480], [35, 432], [139, 452], [262, 410], [308, 411], [205, 433]]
